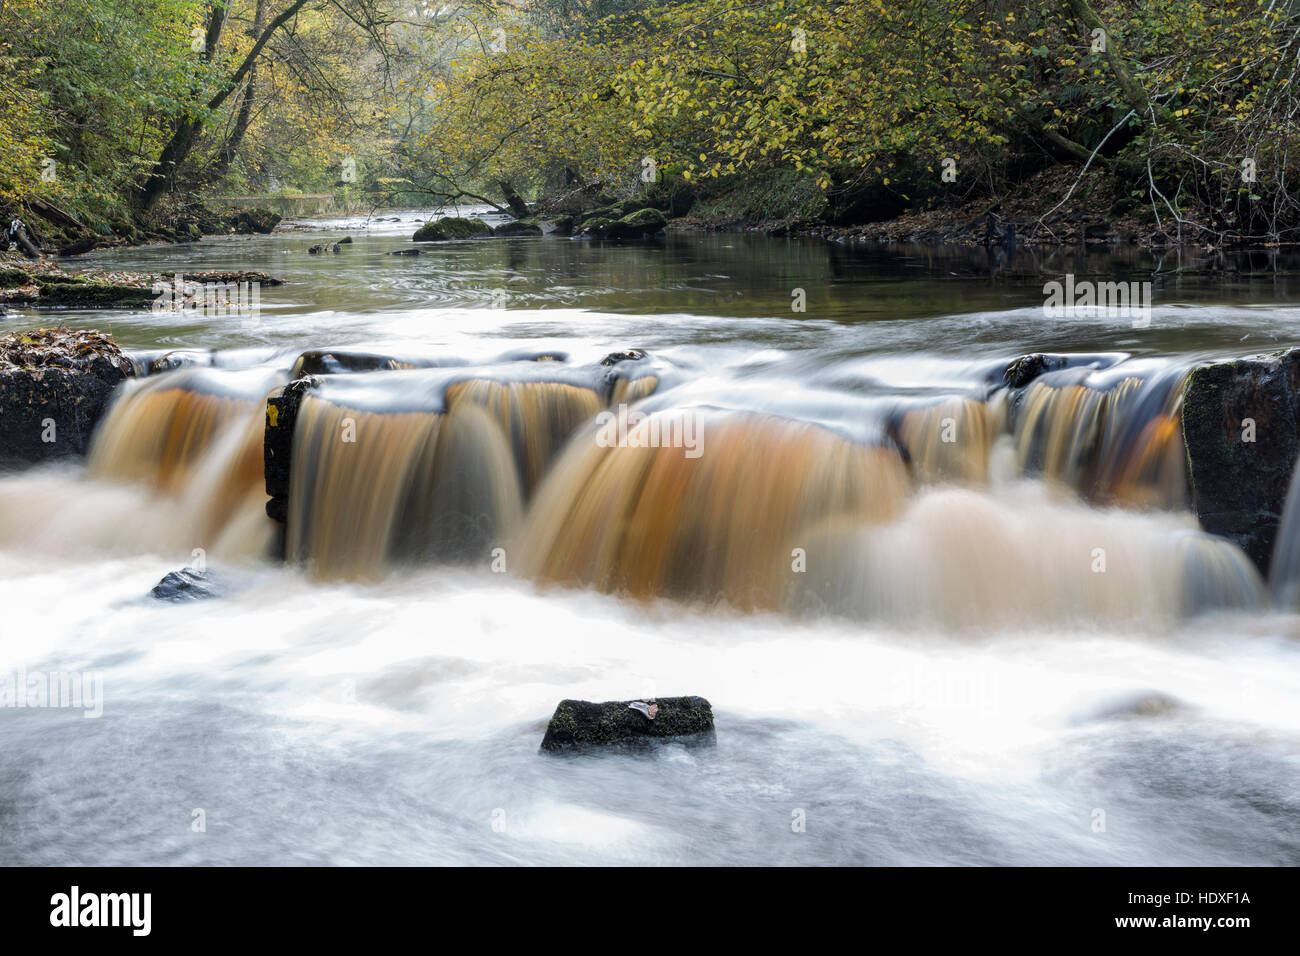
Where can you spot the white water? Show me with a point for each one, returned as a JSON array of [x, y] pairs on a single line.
[[386, 724]]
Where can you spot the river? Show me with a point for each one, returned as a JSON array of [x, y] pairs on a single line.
[[951, 681]]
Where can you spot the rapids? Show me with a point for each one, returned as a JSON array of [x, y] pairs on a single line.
[[940, 619]]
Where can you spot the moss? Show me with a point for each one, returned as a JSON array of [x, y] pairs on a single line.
[[92, 294], [452, 227], [610, 213], [640, 224], [597, 226], [520, 227]]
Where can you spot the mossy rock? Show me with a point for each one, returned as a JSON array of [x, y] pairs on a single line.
[[42, 279], [641, 224], [92, 294], [597, 228], [452, 227], [579, 725], [519, 227], [609, 213]]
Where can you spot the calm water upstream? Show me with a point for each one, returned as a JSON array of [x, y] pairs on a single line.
[[951, 681]]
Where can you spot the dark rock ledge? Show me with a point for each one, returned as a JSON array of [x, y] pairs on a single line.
[[54, 386]]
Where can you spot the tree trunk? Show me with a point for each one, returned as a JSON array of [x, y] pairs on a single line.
[[514, 200], [53, 213], [1134, 93], [230, 148], [187, 131], [1063, 147]]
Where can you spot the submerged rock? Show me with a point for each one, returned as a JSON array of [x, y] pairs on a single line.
[[334, 362], [187, 584], [452, 227], [327, 246], [1134, 705], [631, 355], [1025, 369], [581, 724], [54, 385], [1240, 427]]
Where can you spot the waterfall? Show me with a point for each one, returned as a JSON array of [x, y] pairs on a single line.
[[369, 488], [1114, 439], [1284, 572], [653, 522], [577, 475], [175, 465]]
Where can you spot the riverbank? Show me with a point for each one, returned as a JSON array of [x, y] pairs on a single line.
[[40, 229], [1057, 207], [1060, 206]]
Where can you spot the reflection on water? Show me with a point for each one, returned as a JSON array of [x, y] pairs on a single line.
[[1202, 299]]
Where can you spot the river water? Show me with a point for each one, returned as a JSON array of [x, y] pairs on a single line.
[[952, 681]]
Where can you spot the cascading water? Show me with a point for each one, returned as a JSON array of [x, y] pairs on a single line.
[[1284, 572], [369, 488], [536, 417], [1112, 436], [790, 509], [651, 521], [947, 607], [176, 465]]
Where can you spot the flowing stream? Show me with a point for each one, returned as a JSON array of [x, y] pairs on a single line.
[[940, 620]]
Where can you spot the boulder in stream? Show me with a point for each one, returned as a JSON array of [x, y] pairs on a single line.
[[452, 227], [518, 228], [187, 584], [641, 224], [1241, 428], [579, 725]]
